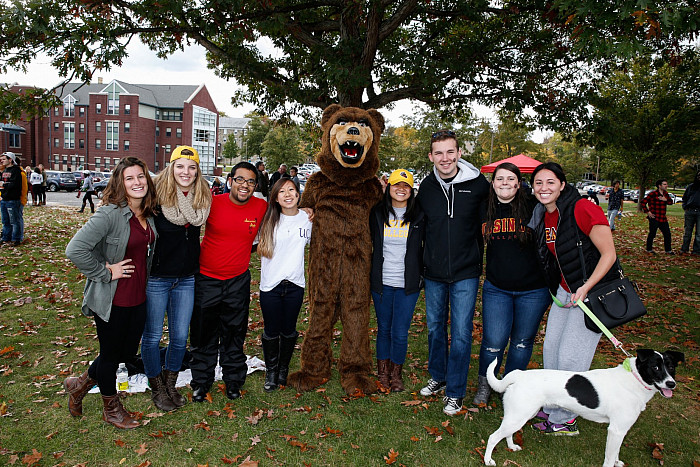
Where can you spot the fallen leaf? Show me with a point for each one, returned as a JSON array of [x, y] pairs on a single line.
[[33, 458], [141, 450], [392, 457]]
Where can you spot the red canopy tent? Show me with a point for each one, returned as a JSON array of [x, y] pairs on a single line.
[[525, 164]]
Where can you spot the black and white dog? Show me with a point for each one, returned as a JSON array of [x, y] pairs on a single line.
[[615, 395]]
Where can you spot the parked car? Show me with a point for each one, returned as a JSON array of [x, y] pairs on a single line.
[[56, 180], [100, 187]]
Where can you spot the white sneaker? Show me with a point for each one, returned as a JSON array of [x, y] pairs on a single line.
[[452, 405], [433, 387]]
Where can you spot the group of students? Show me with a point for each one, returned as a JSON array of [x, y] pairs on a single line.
[[434, 240], [14, 187], [142, 258]]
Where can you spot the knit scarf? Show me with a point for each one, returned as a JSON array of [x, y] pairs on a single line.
[[183, 212]]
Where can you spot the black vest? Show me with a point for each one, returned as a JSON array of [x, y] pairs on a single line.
[[568, 259]]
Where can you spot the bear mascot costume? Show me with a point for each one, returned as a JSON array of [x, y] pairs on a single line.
[[341, 195]]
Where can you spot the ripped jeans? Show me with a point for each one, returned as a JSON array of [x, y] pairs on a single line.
[[513, 316]]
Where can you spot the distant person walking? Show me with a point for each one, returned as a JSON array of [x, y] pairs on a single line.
[[691, 206], [89, 189], [616, 198], [654, 204]]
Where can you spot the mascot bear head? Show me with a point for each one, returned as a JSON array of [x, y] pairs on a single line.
[[350, 144]]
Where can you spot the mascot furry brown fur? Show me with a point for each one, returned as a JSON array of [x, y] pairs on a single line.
[[341, 195]]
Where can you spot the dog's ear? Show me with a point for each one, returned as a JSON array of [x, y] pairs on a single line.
[[644, 354], [675, 357]]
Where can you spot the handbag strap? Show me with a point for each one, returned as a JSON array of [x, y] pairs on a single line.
[[601, 326], [582, 260]]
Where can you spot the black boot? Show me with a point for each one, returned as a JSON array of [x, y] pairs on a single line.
[[287, 344], [271, 352]]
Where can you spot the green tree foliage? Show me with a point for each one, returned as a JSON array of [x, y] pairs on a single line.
[[369, 53], [258, 127], [282, 146], [230, 152], [574, 158], [510, 138], [647, 117]]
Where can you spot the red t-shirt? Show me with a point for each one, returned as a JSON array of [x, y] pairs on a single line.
[[587, 215], [229, 236], [131, 291]]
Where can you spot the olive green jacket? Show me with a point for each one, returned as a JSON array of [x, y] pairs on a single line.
[[102, 240]]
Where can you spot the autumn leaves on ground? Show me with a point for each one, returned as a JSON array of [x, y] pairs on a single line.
[[44, 338]]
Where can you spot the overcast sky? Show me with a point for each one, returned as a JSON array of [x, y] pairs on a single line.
[[188, 67]]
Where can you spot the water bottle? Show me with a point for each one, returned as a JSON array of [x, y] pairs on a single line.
[[122, 378]]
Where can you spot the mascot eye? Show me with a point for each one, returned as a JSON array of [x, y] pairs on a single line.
[[342, 122], [363, 123]]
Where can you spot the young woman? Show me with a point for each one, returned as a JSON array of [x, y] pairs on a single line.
[[514, 295], [396, 227], [184, 200], [36, 179], [568, 228], [284, 233], [114, 250]]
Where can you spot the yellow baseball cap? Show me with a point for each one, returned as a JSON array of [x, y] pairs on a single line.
[[401, 175], [177, 154]]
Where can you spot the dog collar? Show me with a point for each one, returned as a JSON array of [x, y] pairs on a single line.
[[627, 365]]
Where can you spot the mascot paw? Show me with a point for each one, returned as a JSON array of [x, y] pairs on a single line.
[[302, 381], [353, 382]]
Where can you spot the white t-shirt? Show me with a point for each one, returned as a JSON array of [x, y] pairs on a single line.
[[395, 238], [287, 263]]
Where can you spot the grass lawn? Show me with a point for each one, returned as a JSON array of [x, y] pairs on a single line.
[[44, 338]]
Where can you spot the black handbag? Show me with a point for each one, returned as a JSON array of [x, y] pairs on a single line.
[[615, 302]]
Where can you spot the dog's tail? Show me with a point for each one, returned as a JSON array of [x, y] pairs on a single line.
[[498, 385]]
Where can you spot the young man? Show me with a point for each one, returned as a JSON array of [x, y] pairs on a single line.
[[691, 206], [654, 204], [450, 197], [222, 286], [616, 199], [262, 189], [89, 189], [11, 204]]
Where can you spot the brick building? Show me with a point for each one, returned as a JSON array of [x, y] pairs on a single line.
[[98, 124]]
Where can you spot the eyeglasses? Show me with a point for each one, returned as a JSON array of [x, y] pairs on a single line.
[[440, 133], [240, 180]]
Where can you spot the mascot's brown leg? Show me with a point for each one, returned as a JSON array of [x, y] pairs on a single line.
[[355, 355], [316, 354]]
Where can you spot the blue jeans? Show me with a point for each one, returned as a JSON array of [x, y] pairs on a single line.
[[394, 311], [692, 220], [612, 214], [174, 295], [453, 301], [12, 221], [510, 315]]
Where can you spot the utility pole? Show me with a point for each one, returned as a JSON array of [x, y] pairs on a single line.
[[597, 170]]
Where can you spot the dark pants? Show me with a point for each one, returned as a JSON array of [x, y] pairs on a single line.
[[119, 341], [41, 193], [218, 328], [655, 225], [88, 198], [280, 308]]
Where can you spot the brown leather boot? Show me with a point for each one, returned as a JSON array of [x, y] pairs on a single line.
[[77, 387], [175, 396], [115, 413], [383, 372], [159, 395], [396, 377]]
